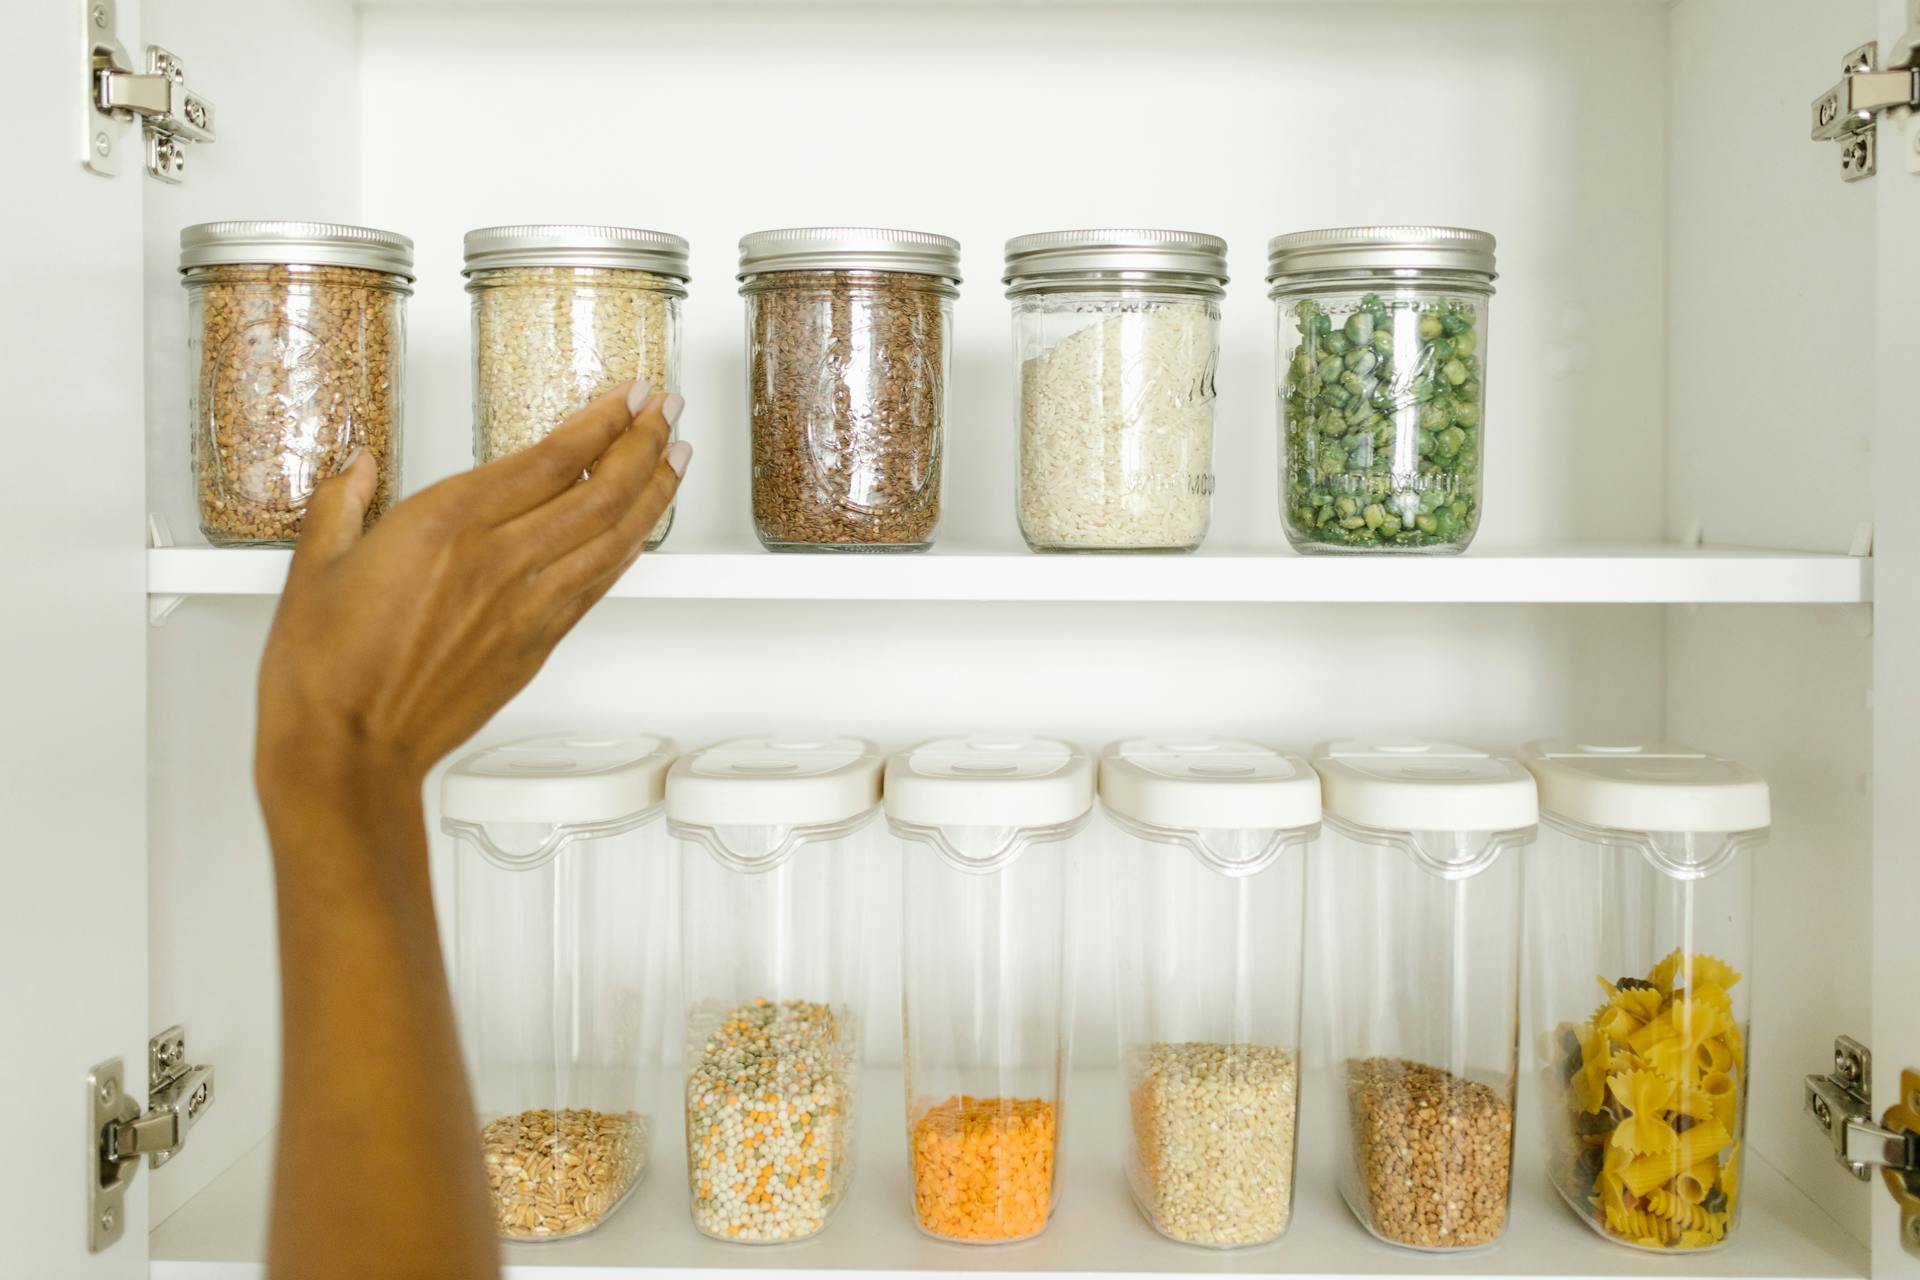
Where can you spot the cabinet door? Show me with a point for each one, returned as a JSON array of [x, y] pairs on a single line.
[[73, 917], [1896, 747]]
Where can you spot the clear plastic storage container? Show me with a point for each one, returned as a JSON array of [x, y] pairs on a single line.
[[773, 837], [849, 337], [1381, 366], [986, 825], [563, 932], [562, 313], [1640, 902], [296, 338], [1210, 877], [1116, 336], [1418, 898]]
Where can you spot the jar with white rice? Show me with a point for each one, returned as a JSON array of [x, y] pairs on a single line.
[[1116, 337]]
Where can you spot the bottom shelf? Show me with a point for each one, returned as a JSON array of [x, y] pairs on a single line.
[[221, 1233]]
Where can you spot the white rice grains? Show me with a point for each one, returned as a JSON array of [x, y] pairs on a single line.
[[1116, 431]]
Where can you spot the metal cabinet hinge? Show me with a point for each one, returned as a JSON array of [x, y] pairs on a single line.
[[171, 115], [119, 1133], [1849, 113], [1841, 1102]]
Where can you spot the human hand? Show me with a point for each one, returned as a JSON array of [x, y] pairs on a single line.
[[392, 647]]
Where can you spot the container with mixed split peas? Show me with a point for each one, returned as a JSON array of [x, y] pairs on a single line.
[[1211, 839], [986, 827], [1419, 865], [561, 313], [774, 836], [562, 931], [296, 341], [1640, 906]]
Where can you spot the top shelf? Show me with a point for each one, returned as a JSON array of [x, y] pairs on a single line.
[[1541, 575]]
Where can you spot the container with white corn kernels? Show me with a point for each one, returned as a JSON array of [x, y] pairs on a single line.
[[1212, 838]]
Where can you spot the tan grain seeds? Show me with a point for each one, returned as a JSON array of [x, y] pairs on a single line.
[[1434, 1153], [297, 367], [558, 1173]]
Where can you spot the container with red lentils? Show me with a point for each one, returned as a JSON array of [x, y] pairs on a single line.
[[987, 827], [296, 339]]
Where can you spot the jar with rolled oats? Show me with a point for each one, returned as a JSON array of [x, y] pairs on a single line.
[[296, 340], [561, 313]]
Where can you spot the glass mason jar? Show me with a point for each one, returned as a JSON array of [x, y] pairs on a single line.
[[1116, 336], [1213, 839], [562, 967], [561, 314], [296, 346], [849, 338], [1418, 863], [986, 826], [1380, 364], [773, 837], [1641, 898]]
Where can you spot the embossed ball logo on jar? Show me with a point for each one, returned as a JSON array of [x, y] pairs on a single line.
[[878, 451], [282, 432]]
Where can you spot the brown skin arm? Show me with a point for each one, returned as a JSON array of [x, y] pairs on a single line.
[[389, 650]]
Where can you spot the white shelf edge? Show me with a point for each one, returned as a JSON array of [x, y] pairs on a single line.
[[220, 1234], [1551, 575]]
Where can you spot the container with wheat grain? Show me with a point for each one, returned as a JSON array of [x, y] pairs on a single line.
[[1422, 844], [1116, 338], [849, 335], [296, 338], [560, 314], [562, 929]]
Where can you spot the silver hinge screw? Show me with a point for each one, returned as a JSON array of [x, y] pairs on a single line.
[[100, 16], [102, 144], [106, 1221], [107, 1093]]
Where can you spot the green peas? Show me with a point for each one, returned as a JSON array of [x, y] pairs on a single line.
[[1381, 408]]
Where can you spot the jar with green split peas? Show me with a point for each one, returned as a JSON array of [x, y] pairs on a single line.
[[1380, 370]]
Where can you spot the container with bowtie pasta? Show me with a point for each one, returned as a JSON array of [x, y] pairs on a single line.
[[1639, 906]]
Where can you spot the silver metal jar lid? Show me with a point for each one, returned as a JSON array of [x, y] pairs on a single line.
[[1345, 249], [311, 244], [1052, 258], [849, 249], [555, 244]]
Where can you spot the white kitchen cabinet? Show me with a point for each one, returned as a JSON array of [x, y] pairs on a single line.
[[1704, 420]]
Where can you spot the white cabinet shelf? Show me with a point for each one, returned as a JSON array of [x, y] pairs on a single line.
[[1544, 575], [220, 1234]]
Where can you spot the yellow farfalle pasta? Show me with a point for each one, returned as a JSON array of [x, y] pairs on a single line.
[[1653, 1083]]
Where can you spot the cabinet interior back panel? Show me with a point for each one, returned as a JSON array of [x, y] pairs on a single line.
[[986, 122]]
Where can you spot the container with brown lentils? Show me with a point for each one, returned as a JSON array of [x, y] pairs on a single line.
[[296, 339], [560, 314], [849, 337]]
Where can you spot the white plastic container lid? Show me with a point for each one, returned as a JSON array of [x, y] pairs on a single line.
[[987, 781], [1209, 784], [1647, 786], [560, 779], [775, 782], [1417, 784]]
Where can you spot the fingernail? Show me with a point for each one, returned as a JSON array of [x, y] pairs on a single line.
[[353, 458], [679, 453], [670, 408], [637, 396]]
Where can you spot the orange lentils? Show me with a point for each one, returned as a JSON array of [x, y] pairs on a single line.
[[983, 1167]]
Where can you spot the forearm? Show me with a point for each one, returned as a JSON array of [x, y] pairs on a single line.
[[379, 1170]]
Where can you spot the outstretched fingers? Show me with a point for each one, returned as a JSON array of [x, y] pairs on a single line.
[[575, 582], [525, 481], [607, 499], [336, 514]]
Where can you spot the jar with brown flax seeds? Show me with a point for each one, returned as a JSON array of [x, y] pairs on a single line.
[[296, 339], [849, 334], [561, 313]]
